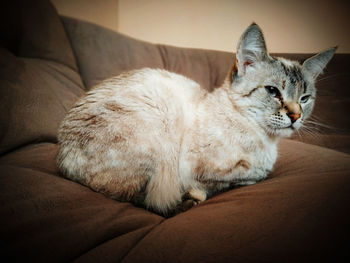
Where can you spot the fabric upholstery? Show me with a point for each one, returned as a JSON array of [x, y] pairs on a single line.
[[282, 219], [102, 53], [56, 220], [38, 74], [33, 29], [299, 214], [35, 94]]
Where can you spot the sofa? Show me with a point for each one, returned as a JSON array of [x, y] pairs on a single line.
[[299, 214]]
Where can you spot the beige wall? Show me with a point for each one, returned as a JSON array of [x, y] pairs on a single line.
[[101, 12], [289, 25]]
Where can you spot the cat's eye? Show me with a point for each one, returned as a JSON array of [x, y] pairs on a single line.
[[305, 99], [273, 91]]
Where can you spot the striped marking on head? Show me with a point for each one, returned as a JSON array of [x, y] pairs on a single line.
[[295, 77]]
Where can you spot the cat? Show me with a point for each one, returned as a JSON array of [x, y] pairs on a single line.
[[159, 140]]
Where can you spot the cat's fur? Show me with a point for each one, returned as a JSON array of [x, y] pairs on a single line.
[[157, 138]]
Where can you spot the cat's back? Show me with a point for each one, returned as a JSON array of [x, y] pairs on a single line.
[[137, 101], [150, 86], [147, 93]]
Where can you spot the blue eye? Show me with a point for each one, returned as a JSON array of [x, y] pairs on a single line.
[[273, 91], [305, 99]]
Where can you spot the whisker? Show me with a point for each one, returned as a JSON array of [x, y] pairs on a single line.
[[312, 131], [330, 76], [319, 124], [310, 134]]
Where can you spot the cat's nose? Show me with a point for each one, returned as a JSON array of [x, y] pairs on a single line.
[[293, 111], [293, 116]]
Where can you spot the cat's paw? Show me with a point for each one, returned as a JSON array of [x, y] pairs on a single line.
[[190, 199], [187, 204], [197, 194]]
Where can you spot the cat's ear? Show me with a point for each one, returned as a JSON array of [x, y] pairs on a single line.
[[317, 63], [251, 49]]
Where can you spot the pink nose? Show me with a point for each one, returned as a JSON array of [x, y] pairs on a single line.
[[293, 116]]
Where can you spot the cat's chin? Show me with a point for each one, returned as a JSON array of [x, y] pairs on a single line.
[[281, 132]]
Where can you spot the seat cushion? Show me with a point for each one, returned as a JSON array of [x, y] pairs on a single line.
[[46, 218], [300, 212]]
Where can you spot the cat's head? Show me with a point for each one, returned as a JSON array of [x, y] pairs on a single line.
[[277, 93]]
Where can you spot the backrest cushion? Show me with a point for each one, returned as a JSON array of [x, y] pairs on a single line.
[[39, 79], [102, 53]]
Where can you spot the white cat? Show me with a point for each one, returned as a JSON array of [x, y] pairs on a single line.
[[158, 139]]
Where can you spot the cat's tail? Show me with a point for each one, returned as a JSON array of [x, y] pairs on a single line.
[[164, 189]]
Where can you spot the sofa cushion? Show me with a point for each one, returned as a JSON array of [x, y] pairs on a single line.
[[299, 213], [102, 53], [46, 218], [39, 78], [33, 29], [35, 95]]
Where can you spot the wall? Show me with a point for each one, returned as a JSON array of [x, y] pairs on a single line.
[[101, 12], [289, 26]]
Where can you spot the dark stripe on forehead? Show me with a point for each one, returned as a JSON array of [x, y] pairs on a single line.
[[284, 84], [295, 77], [293, 73]]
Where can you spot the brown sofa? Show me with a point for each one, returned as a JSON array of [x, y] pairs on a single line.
[[299, 214]]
